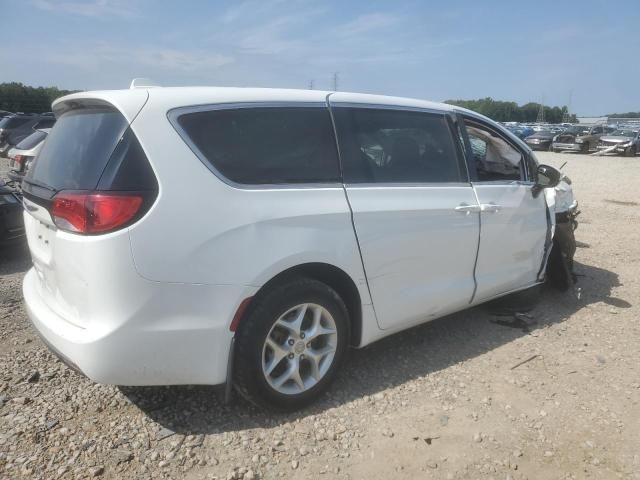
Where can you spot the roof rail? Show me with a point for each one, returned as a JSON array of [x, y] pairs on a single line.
[[142, 83]]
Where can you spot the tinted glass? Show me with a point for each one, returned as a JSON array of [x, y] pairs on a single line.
[[31, 141], [266, 145], [13, 122], [395, 146], [78, 148], [128, 168]]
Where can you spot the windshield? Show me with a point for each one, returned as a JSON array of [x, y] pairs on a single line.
[[32, 140], [624, 133]]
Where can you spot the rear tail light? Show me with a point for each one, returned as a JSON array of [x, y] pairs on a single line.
[[94, 212], [19, 161]]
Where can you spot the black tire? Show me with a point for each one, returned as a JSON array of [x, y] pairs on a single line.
[[265, 309], [630, 152]]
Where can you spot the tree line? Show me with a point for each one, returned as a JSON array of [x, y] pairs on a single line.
[[502, 111], [16, 97]]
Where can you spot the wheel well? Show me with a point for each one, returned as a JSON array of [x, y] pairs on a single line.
[[337, 279]]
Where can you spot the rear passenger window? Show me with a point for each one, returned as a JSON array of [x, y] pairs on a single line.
[[395, 146], [266, 145]]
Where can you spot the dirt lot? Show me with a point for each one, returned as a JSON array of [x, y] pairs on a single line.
[[444, 400]]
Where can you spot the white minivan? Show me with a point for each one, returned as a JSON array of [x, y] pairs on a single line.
[[248, 237]]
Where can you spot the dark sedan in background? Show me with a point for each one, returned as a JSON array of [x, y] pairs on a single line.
[[541, 140]]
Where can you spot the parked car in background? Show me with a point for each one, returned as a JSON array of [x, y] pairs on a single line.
[[11, 216], [520, 131], [309, 252], [624, 140], [4, 113], [21, 156], [15, 128], [580, 138], [541, 140]]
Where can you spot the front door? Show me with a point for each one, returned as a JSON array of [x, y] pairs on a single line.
[[414, 211], [514, 222]]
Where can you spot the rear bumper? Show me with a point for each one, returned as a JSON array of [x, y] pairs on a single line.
[[175, 336]]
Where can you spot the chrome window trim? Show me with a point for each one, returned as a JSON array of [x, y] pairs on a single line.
[[525, 183], [174, 114], [397, 185]]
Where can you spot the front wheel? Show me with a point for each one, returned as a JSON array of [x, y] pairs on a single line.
[[290, 345], [630, 152]]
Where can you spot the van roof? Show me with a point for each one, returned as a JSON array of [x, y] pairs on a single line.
[[173, 97]]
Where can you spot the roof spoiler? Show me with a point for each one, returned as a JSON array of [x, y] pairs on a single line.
[[142, 83]]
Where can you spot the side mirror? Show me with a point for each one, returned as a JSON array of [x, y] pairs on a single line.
[[547, 177]]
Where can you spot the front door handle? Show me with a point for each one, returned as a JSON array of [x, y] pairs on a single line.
[[490, 207], [467, 208]]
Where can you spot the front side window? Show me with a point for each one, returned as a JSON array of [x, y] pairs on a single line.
[[266, 145], [493, 157], [395, 146]]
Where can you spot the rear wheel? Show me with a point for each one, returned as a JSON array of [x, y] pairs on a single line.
[[290, 345]]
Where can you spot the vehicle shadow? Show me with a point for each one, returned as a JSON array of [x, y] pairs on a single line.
[[15, 258], [390, 362]]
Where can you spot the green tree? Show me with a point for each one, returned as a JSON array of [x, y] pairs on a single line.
[[16, 97], [502, 111]]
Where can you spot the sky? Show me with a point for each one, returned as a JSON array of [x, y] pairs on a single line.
[[585, 54]]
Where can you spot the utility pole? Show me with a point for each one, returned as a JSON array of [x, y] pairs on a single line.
[[540, 118], [335, 81], [567, 116]]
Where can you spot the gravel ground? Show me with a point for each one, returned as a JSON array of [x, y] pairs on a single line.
[[444, 400]]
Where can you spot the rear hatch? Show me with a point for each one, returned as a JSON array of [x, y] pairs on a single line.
[[90, 181]]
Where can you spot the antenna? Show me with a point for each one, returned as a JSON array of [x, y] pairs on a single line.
[[335, 81], [311, 84]]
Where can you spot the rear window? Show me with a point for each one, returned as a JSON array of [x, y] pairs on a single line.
[[78, 149], [31, 141], [266, 145], [13, 122]]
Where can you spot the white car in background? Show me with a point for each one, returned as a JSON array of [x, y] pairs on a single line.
[[21, 156], [249, 236]]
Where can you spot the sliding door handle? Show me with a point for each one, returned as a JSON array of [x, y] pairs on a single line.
[[467, 208], [490, 207]]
